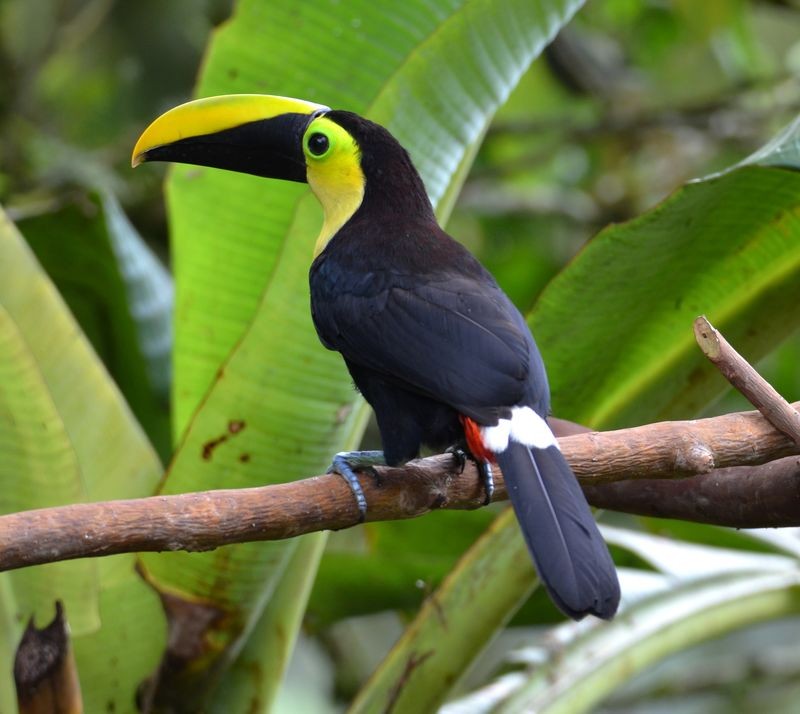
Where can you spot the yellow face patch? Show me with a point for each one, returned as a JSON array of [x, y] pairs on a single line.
[[333, 169]]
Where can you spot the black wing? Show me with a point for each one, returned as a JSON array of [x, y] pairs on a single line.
[[455, 338]]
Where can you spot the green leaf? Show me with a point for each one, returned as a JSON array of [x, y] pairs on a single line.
[[475, 600], [257, 673], [746, 540], [39, 468], [9, 639], [691, 583], [353, 577], [258, 424], [783, 150], [280, 405], [149, 293], [120, 294], [615, 325], [683, 570], [71, 391], [598, 659], [689, 561]]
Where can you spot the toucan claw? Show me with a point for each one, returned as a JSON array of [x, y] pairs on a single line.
[[487, 479], [459, 457], [346, 463]]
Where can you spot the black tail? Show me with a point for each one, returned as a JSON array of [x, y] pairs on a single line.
[[570, 554]]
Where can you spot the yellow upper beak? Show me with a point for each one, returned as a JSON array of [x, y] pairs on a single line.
[[210, 116]]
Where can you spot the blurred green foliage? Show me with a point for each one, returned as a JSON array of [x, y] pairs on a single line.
[[634, 98], [78, 80]]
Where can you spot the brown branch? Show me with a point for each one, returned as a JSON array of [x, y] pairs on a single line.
[[203, 521], [739, 496], [675, 449], [760, 393]]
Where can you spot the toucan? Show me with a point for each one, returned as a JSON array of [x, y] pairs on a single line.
[[431, 341]]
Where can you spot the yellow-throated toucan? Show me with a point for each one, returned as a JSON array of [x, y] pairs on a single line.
[[431, 341]]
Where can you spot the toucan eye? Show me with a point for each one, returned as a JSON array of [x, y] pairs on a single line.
[[318, 144]]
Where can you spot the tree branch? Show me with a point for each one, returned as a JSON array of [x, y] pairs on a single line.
[[758, 391], [739, 497], [641, 457]]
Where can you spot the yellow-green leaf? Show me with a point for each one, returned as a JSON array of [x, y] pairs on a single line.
[[93, 450]]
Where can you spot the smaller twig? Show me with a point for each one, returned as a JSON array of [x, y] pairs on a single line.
[[735, 368]]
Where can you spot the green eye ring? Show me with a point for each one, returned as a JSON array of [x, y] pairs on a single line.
[[317, 144]]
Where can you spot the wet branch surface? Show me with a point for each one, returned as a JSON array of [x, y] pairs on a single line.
[[722, 466]]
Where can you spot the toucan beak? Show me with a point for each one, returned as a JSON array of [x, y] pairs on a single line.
[[249, 133]]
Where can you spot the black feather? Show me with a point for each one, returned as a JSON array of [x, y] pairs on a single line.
[[570, 555]]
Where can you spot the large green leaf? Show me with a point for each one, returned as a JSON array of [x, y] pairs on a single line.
[[280, 405], [77, 438], [257, 673], [39, 468], [120, 294], [354, 580], [253, 428], [613, 324], [728, 246], [9, 638], [600, 659], [494, 576], [698, 593]]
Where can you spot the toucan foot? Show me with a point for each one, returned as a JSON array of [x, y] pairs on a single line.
[[346, 463], [487, 479], [459, 456]]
